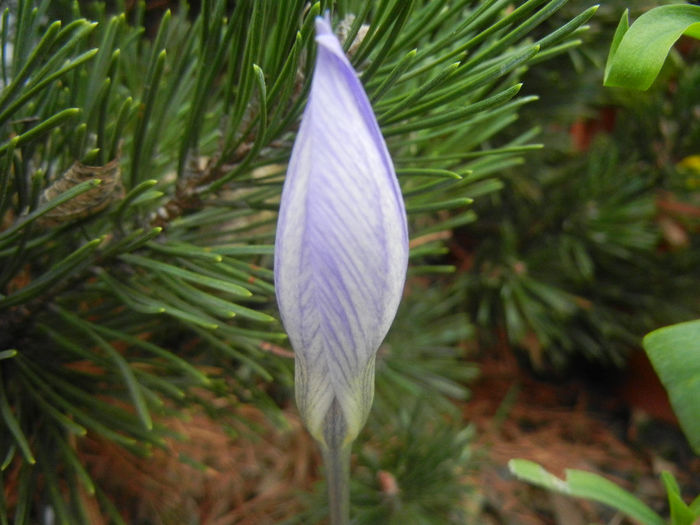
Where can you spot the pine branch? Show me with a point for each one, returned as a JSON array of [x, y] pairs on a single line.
[[116, 305]]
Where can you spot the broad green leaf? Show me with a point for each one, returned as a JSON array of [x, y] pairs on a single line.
[[638, 51], [681, 513], [695, 506], [675, 353], [586, 485]]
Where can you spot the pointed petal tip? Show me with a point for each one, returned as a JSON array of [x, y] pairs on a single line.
[[326, 38], [323, 24]]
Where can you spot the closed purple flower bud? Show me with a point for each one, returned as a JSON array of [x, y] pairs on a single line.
[[341, 249]]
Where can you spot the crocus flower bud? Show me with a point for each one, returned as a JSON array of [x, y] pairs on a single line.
[[341, 249]]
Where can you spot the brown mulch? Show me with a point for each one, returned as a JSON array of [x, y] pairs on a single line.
[[208, 476], [623, 431], [619, 428]]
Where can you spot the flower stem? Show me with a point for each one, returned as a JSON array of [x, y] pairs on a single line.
[[337, 462]]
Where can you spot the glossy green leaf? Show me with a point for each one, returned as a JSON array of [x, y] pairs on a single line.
[[681, 514], [638, 51], [587, 485], [675, 353]]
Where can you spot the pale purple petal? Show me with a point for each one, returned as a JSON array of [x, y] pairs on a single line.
[[342, 245]]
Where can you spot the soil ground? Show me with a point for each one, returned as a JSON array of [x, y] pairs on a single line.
[[618, 425]]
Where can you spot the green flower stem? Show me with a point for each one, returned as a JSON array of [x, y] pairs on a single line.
[[337, 462]]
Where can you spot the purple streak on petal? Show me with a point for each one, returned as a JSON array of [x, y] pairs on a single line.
[[342, 243]]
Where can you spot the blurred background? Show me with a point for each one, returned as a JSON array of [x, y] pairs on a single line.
[[529, 346]]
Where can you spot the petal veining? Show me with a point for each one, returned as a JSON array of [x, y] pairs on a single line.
[[341, 249]]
